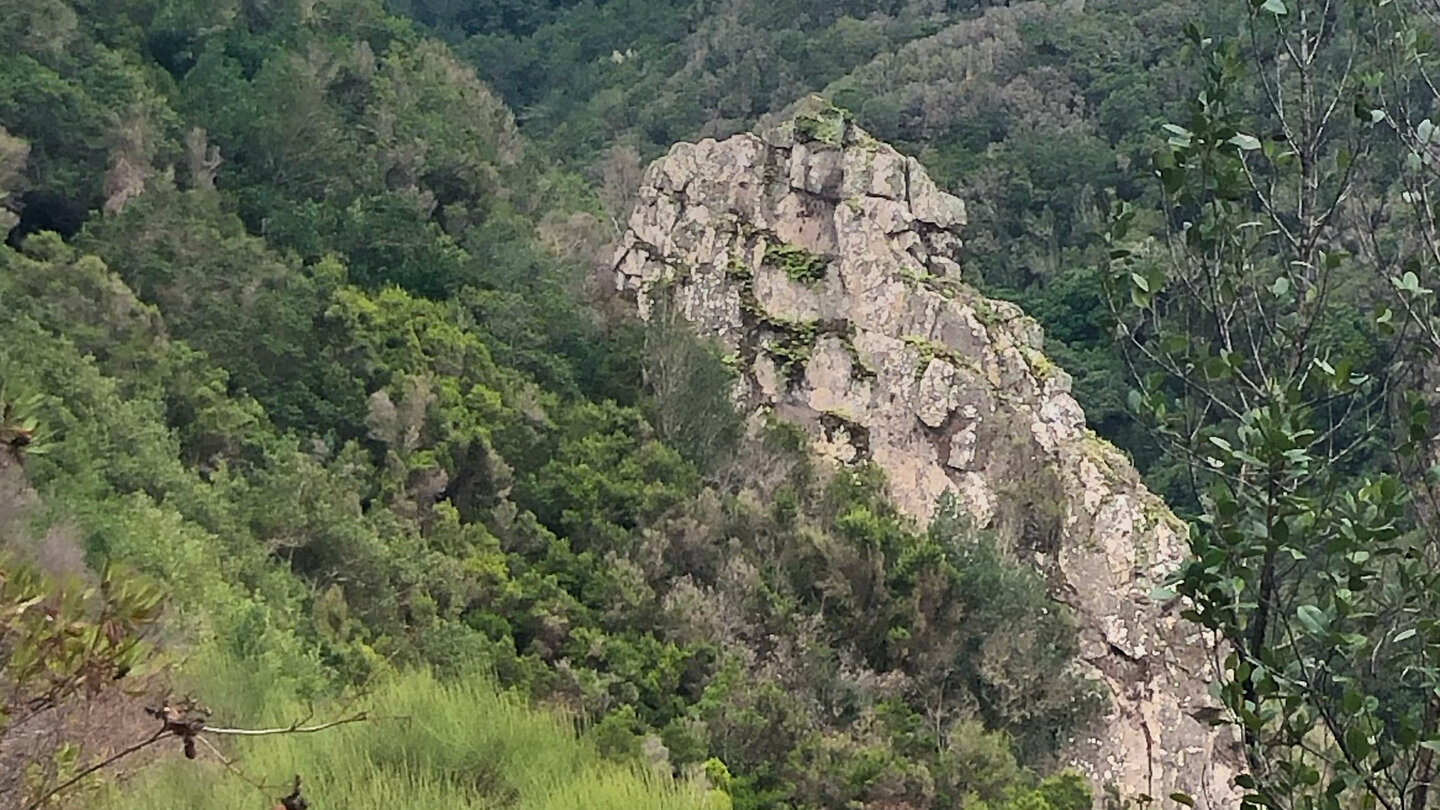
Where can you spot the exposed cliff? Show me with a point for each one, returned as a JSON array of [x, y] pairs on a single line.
[[830, 264]]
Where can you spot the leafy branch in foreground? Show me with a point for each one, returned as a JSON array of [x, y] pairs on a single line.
[[62, 641], [1299, 414]]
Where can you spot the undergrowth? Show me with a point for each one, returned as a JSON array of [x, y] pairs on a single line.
[[433, 745]]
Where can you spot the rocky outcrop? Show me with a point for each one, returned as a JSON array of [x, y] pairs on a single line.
[[829, 263]]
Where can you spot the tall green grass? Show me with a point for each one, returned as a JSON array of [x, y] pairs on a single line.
[[430, 746]]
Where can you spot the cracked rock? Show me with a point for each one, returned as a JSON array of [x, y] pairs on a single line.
[[949, 390]]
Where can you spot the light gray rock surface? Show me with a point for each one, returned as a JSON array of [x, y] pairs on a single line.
[[829, 263]]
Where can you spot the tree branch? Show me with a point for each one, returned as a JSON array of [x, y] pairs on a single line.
[[292, 729]]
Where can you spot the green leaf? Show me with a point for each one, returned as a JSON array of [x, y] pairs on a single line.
[[1352, 702], [1247, 458], [1172, 179], [1182, 798], [1404, 635], [1275, 7], [1312, 618], [1246, 142], [1357, 740], [1217, 368], [1180, 137], [1385, 322], [1175, 343]]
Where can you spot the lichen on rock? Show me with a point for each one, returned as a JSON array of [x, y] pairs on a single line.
[[830, 265]]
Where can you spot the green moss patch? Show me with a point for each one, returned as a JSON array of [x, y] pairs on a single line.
[[798, 263], [827, 126]]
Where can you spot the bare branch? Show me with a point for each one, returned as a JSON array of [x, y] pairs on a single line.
[[292, 729]]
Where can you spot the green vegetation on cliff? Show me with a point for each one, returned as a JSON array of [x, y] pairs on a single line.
[[297, 325]]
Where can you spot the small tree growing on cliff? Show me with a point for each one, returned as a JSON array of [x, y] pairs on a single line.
[[690, 384], [1298, 412]]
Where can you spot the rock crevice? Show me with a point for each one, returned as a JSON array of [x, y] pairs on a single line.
[[831, 264]]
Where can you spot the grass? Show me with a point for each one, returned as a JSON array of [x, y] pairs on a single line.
[[439, 746]]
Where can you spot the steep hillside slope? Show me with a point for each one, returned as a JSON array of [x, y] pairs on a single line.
[[829, 264]]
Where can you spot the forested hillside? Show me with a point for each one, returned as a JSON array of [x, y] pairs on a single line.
[[1030, 111], [318, 408], [298, 329]]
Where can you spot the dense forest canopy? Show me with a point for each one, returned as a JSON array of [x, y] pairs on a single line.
[[301, 339]]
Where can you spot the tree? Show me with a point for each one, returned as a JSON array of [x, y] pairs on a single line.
[[13, 154], [691, 387], [1298, 412]]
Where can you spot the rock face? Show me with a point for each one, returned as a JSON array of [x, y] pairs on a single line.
[[829, 263]]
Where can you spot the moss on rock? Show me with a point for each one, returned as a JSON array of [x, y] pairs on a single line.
[[798, 263]]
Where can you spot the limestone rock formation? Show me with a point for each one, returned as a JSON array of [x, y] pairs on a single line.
[[829, 263]]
